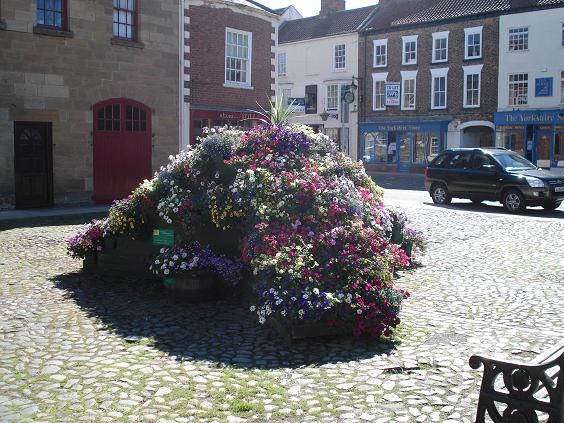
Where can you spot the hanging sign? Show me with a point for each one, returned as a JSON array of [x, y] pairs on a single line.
[[393, 94], [543, 87]]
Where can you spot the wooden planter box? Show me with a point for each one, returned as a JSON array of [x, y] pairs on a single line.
[[193, 286], [124, 257], [293, 331]]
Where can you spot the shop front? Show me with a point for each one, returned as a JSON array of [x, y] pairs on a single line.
[[200, 119], [401, 146], [537, 135]]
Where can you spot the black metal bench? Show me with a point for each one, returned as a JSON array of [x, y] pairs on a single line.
[[526, 390]]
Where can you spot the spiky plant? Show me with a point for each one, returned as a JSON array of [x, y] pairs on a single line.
[[279, 114]]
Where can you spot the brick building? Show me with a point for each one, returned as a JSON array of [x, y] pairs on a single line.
[[229, 63], [89, 94], [430, 71]]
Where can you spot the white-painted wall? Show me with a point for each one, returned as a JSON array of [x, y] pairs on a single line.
[[543, 59], [311, 63]]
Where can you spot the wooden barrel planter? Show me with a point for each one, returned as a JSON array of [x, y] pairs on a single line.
[[192, 286]]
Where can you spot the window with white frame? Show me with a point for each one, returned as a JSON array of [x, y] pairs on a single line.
[[339, 56], [409, 51], [518, 89], [285, 94], [473, 43], [562, 87], [281, 64], [472, 81], [408, 87], [238, 46], [332, 97], [379, 90], [439, 88], [380, 53], [440, 47], [518, 39], [562, 36]]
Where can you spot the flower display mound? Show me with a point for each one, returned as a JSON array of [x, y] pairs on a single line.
[[306, 220]]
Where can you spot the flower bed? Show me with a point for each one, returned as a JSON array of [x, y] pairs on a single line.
[[304, 219]]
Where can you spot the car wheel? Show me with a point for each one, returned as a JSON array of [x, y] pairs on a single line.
[[513, 201], [553, 205], [440, 194]]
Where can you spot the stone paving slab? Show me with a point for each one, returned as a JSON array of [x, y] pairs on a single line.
[[76, 347]]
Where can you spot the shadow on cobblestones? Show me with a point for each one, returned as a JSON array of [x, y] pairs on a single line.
[[223, 334], [497, 209]]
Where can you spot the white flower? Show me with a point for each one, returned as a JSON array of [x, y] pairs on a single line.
[[166, 271], [216, 175], [305, 297], [157, 261], [316, 291], [253, 308], [359, 311], [169, 221], [301, 312], [262, 320], [283, 312], [175, 257]]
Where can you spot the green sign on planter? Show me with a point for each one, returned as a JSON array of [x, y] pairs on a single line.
[[170, 281], [163, 237]]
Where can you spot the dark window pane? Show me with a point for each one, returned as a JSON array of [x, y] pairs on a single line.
[[116, 125], [135, 125], [143, 115], [143, 126], [100, 113], [128, 125], [100, 126], [128, 112], [116, 111]]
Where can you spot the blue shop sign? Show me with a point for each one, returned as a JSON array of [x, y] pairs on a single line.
[[408, 126], [543, 87], [297, 103], [530, 117]]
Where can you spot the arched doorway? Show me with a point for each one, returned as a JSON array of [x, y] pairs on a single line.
[[122, 148], [477, 134]]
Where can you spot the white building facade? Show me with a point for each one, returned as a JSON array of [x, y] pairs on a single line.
[[318, 74], [530, 118], [317, 69]]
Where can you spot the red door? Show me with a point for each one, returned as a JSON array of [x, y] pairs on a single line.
[[122, 148]]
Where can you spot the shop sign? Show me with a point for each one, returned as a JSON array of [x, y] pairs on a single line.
[[393, 94], [297, 104], [543, 87], [236, 115], [540, 117]]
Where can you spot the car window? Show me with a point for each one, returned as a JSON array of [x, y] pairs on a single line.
[[481, 160], [460, 160], [513, 161], [440, 160]]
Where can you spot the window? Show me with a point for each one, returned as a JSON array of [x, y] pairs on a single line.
[[311, 99], [281, 64], [379, 91], [460, 160], [125, 19], [435, 146], [340, 61], [408, 83], [518, 39], [472, 80], [135, 119], [285, 94], [562, 36], [439, 88], [375, 147], [108, 118], [518, 89], [409, 56], [562, 87], [238, 46], [473, 45], [380, 53], [52, 14], [332, 97], [440, 47]]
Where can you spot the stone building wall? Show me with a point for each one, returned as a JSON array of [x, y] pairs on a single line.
[[58, 76]]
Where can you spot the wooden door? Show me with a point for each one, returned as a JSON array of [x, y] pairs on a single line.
[[122, 148], [33, 164]]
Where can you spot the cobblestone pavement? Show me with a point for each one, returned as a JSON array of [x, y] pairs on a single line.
[[83, 348]]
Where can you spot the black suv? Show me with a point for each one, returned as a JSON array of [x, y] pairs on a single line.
[[493, 174]]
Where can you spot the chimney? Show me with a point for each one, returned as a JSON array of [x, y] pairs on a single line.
[[331, 6]]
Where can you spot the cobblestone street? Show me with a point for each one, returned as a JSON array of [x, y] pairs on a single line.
[[77, 347]]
